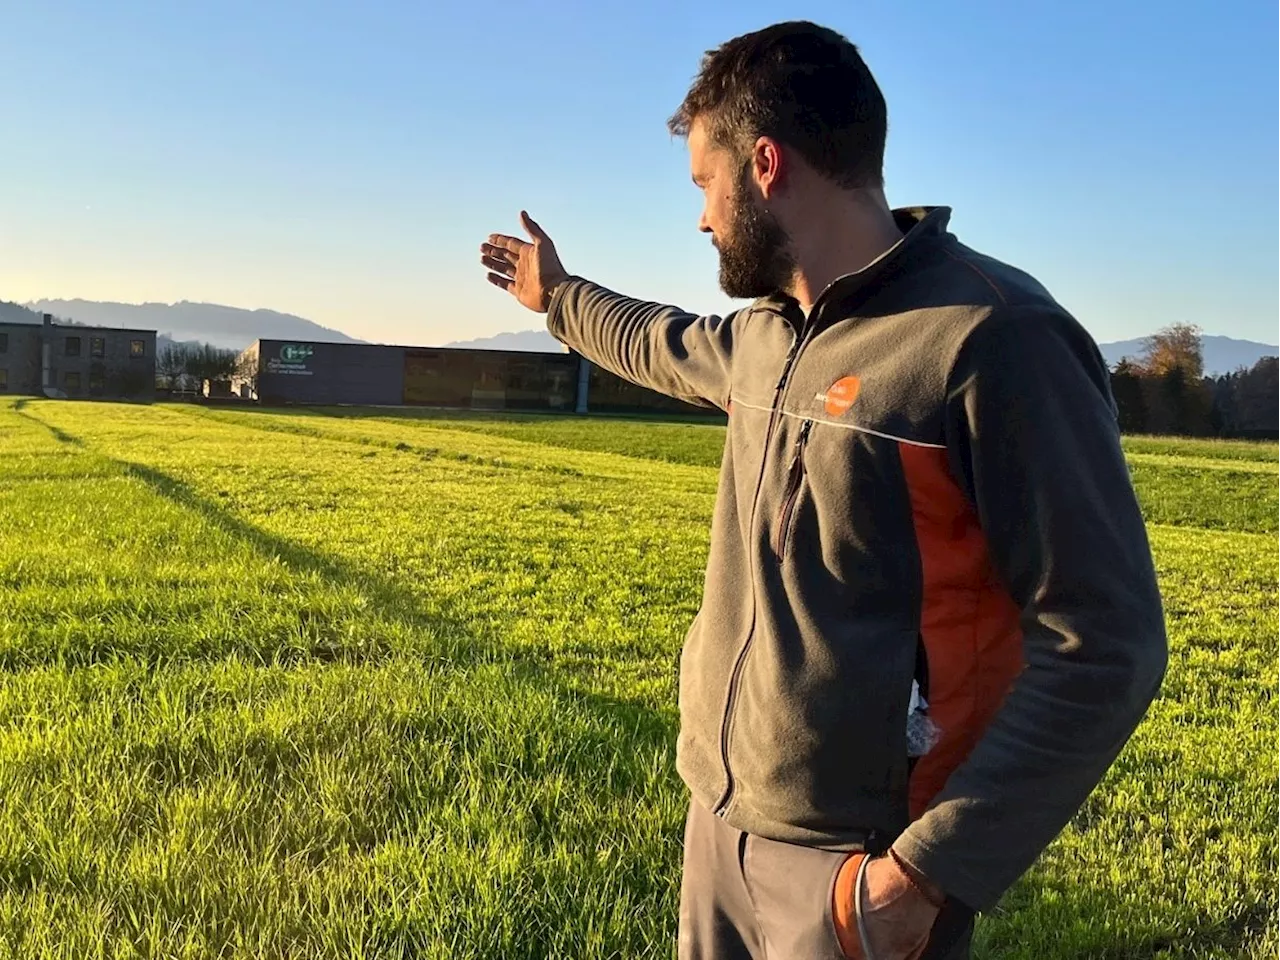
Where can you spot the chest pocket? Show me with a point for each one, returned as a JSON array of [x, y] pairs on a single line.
[[797, 480]]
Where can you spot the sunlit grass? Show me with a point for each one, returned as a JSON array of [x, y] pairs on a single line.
[[295, 685]]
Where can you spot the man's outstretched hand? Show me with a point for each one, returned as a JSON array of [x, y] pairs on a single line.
[[529, 270]]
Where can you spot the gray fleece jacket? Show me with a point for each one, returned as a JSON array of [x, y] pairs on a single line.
[[922, 481]]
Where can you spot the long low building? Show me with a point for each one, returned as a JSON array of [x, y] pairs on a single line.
[[287, 372], [59, 359]]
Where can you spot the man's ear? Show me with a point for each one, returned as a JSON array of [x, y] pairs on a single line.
[[768, 166]]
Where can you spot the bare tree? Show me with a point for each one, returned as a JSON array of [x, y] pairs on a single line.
[[171, 363], [207, 362], [180, 363]]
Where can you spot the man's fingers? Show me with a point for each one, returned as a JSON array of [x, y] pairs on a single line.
[[497, 265], [506, 283], [511, 244], [532, 228], [502, 253]]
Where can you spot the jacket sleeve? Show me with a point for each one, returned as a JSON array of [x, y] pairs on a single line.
[[1033, 439], [658, 347]]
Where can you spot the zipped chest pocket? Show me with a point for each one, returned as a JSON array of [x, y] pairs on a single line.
[[796, 479]]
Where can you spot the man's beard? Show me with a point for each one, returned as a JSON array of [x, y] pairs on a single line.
[[754, 259]]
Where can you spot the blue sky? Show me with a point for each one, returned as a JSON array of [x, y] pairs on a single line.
[[343, 162]]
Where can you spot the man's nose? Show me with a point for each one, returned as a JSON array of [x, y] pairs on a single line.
[[703, 225]]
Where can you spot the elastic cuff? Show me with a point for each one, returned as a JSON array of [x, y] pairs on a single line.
[[954, 881], [553, 308]]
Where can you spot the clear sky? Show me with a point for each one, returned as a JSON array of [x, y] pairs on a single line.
[[342, 161]]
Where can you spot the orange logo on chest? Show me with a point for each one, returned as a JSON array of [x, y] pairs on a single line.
[[840, 396]]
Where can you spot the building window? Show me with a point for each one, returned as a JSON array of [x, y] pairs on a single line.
[[71, 380], [4, 379], [4, 343], [73, 346], [97, 382], [137, 348], [97, 346]]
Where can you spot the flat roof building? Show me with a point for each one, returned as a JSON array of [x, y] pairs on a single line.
[[57, 359], [284, 372]]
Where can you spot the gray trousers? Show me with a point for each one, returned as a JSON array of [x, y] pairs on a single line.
[[743, 897]]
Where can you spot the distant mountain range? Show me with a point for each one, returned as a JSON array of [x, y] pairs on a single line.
[[533, 341], [228, 327], [1221, 354], [17, 313]]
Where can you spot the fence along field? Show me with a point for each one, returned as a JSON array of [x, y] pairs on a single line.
[[312, 685]]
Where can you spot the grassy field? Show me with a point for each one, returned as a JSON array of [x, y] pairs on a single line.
[[327, 684]]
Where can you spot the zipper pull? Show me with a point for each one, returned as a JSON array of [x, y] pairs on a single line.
[[804, 434], [795, 477], [797, 450]]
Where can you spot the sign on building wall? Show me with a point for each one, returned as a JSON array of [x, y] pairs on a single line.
[[293, 358]]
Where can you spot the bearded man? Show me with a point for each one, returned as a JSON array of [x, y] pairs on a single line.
[[930, 618]]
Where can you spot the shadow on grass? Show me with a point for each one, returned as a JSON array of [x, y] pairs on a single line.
[[19, 407], [455, 641], [458, 644], [310, 422], [292, 428]]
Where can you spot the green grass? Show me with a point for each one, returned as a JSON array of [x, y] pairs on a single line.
[[1215, 449], [298, 684]]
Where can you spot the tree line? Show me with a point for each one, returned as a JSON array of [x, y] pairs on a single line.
[[1165, 391], [187, 365]]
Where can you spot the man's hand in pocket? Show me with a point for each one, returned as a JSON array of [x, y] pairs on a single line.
[[897, 916]]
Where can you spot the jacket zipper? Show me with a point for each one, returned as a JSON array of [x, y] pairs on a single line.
[[736, 674], [795, 480], [800, 335]]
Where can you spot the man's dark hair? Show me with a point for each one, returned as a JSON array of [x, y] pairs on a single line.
[[804, 85]]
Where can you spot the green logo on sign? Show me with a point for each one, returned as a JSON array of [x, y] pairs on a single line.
[[295, 352]]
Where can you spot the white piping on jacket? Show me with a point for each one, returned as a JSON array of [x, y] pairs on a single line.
[[833, 423]]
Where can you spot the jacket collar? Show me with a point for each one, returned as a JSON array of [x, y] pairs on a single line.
[[918, 225]]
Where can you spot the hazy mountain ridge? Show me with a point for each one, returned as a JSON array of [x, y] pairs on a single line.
[[533, 341], [222, 326], [17, 313], [1222, 355]]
